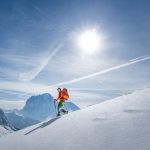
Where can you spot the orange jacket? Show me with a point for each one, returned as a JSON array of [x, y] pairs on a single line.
[[63, 95]]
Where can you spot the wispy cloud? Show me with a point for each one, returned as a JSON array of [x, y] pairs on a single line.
[[30, 75], [13, 64], [4, 104], [24, 87], [32, 88], [139, 58], [136, 60], [14, 59]]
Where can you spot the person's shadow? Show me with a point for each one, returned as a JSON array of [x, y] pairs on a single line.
[[43, 125]]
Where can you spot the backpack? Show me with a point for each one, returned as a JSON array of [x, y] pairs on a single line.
[[64, 94]]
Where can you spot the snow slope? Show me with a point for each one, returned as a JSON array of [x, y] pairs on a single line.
[[4, 131], [119, 124]]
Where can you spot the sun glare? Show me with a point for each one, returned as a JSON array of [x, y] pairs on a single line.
[[89, 41]]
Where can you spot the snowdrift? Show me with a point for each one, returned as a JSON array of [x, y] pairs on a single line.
[[119, 124]]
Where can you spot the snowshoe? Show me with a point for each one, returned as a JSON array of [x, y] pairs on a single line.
[[58, 114], [64, 111]]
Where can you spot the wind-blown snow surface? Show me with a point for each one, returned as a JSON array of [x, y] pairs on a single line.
[[120, 124]]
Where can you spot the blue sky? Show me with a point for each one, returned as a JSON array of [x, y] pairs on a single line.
[[38, 48]]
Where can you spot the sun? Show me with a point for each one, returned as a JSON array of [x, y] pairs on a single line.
[[89, 41]]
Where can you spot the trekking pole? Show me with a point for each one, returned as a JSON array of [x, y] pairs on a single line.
[[55, 106]]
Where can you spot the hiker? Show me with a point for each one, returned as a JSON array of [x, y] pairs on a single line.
[[62, 97]]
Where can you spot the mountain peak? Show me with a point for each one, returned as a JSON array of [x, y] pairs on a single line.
[[42, 106]]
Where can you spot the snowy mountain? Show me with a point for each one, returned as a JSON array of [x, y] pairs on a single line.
[[119, 124], [42, 106], [5, 126], [20, 121], [71, 106], [37, 109]]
